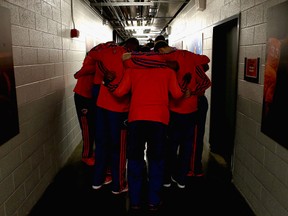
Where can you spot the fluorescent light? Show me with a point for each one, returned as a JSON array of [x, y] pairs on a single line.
[[147, 34], [138, 27]]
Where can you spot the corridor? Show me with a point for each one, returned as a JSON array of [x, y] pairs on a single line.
[[71, 194]]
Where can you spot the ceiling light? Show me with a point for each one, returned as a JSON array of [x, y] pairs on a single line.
[[147, 34], [138, 27]]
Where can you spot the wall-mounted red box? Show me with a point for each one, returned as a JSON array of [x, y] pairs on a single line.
[[74, 33]]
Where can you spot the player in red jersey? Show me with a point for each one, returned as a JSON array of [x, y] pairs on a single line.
[[111, 114], [196, 167], [93, 56], [183, 112], [91, 68], [84, 104], [149, 82]]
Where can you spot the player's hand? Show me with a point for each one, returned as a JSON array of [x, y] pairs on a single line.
[[173, 65], [126, 56], [187, 78]]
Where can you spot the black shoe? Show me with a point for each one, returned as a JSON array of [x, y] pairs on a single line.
[[135, 211], [154, 210], [153, 207]]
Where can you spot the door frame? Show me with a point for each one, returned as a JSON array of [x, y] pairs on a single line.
[[224, 77]]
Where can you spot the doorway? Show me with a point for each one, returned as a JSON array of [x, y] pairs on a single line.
[[224, 89]]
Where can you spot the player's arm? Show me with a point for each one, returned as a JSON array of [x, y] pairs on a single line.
[[121, 88], [203, 82], [143, 60], [88, 68], [178, 90]]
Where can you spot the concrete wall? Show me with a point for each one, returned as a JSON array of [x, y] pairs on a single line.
[[45, 59], [260, 169]]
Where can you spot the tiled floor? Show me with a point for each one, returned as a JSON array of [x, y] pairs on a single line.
[[71, 194]]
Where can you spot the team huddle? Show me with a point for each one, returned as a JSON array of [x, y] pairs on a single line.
[[142, 112]]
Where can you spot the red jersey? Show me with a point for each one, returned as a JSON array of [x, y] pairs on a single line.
[[109, 59], [88, 67], [96, 54], [150, 88], [92, 59], [84, 83], [199, 83]]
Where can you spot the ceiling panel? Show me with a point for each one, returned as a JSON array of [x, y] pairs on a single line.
[[144, 18]]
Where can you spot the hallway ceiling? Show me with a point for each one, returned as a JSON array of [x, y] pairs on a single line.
[[143, 19]]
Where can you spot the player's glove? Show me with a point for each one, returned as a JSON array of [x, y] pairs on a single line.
[[187, 78], [205, 67], [185, 81], [109, 76], [173, 65]]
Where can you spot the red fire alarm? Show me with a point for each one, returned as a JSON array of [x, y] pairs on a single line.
[[74, 33]]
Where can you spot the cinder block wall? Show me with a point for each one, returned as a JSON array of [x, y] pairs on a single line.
[[260, 165], [45, 59]]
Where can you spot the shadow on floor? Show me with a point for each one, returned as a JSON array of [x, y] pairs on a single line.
[[71, 194]]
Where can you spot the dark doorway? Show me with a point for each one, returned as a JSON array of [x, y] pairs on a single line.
[[224, 88], [9, 123]]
